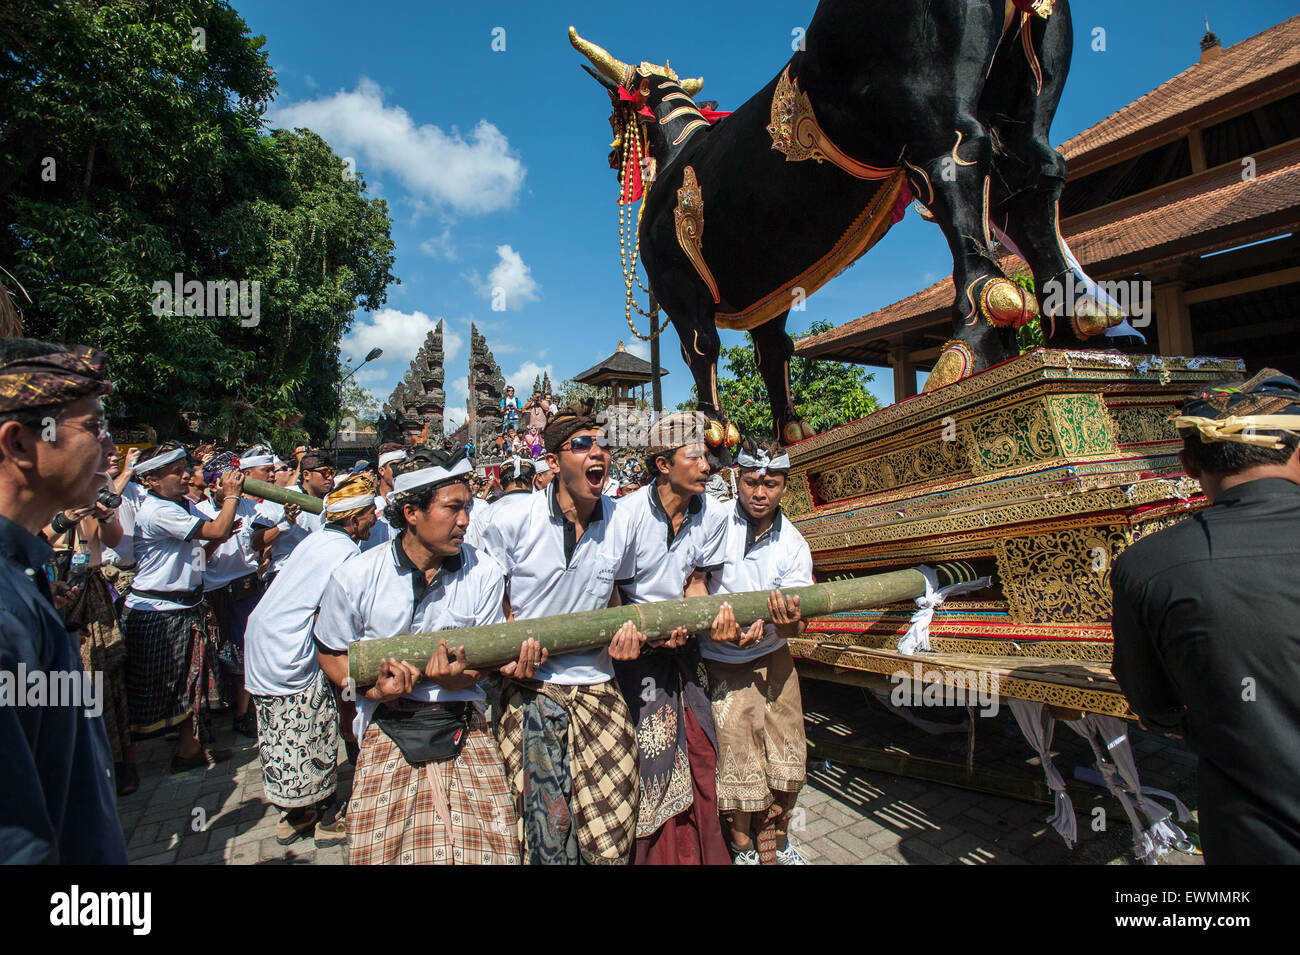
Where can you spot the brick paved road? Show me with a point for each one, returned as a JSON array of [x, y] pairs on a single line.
[[844, 815]]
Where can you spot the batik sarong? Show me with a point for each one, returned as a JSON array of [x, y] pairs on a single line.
[[758, 712], [103, 652], [457, 811], [571, 755], [298, 742], [661, 688], [170, 666]]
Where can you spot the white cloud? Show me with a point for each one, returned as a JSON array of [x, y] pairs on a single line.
[[455, 413], [523, 378], [471, 174], [510, 282], [639, 348], [399, 334], [452, 342]]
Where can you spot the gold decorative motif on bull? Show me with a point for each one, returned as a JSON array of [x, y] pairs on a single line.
[[795, 132], [689, 218], [1004, 304], [955, 363]]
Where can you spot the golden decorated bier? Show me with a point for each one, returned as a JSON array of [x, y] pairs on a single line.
[[1039, 471]]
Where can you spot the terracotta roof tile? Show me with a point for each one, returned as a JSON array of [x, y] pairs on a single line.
[[1257, 58]]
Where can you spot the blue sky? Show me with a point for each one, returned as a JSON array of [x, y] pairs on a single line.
[[493, 162]]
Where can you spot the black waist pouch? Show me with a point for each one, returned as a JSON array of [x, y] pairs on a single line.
[[426, 733]]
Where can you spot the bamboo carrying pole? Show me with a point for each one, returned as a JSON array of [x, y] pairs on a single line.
[[499, 643], [282, 495]]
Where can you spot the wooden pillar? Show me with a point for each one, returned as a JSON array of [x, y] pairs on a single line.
[[904, 375], [1173, 319]]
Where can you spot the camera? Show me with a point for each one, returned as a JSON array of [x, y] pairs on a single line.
[[108, 499]]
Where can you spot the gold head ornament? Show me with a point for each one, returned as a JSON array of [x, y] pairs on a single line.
[[622, 73]]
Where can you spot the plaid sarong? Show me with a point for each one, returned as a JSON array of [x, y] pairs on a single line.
[[170, 666], [393, 816], [758, 712], [298, 742], [585, 771]]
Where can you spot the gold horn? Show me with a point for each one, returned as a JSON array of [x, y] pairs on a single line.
[[691, 87], [614, 69]]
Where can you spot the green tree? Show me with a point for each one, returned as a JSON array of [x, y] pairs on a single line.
[[359, 405], [826, 393], [132, 148]]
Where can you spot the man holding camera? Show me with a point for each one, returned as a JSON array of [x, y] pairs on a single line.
[[57, 785]]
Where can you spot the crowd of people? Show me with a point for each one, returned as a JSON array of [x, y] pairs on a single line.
[[192, 595], [165, 574]]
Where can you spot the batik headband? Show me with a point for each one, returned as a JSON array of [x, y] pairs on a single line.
[[761, 463], [349, 503]]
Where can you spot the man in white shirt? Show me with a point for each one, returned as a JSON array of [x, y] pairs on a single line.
[[679, 532], [543, 474], [230, 582], [298, 716], [430, 786], [567, 738], [391, 454], [165, 620], [757, 708], [285, 529]]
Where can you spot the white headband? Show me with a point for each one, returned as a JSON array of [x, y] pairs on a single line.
[[432, 475], [762, 464], [160, 460], [349, 503], [541, 466], [256, 461], [388, 457], [517, 461]]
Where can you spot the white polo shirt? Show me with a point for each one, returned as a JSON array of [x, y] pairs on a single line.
[[780, 558], [665, 562], [550, 573], [165, 552], [123, 555], [279, 654], [375, 595], [269, 514], [234, 558]]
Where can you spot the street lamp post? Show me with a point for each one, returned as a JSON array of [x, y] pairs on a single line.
[[370, 356]]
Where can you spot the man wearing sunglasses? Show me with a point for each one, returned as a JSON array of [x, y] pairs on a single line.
[[291, 526], [566, 736], [680, 535]]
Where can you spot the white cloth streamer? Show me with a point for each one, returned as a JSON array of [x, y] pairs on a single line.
[[918, 631], [1038, 725]]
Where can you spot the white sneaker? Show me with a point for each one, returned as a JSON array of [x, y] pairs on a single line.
[[748, 857], [790, 855]]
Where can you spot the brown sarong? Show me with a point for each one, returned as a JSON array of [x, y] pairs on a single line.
[[602, 763], [393, 816], [758, 714]]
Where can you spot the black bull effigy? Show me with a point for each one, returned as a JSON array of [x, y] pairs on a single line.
[[946, 102]]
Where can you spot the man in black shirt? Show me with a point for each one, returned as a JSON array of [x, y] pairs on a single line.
[[1207, 641], [57, 798]]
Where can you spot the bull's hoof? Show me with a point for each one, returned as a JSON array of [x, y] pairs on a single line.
[[1005, 304], [1091, 318], [795, 431], [955, 363]]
